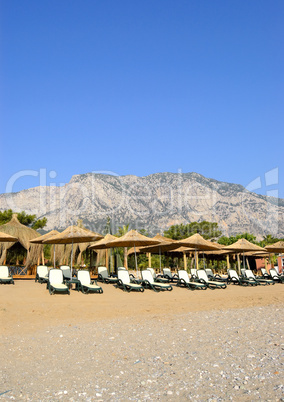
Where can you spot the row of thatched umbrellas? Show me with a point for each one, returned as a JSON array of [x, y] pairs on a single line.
[[195, 243], [158, 244]]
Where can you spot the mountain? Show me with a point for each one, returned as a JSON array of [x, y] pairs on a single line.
[[152, 202]]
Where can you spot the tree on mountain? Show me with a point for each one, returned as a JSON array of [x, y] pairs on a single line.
[[208, 230], [24, 218]]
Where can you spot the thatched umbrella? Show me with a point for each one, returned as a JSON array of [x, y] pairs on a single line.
[[198, 243], [243, 245], [73, 234], [23, 234], [276, 247], [41, 239], [166, 244], [102, 244], [6, 238], [132, 238]]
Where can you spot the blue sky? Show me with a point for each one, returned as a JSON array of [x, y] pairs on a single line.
[[139, 87]]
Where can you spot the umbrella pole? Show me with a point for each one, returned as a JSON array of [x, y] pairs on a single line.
[[71, 258], [54, 255], [136, 261], [204, 261], [196, 260], [244, 263], [160, 259]]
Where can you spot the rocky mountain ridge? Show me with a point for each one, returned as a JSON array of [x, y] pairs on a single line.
[[152, 202]]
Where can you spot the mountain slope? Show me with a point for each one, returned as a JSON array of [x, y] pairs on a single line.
[[153, 202]]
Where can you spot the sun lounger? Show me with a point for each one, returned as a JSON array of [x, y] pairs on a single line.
[[275, 277], [41, 274], [214, 277], [260, 281], [193, 273], [86, 285], [104, 277], [126, 284], [184, 281], [149, 283], [167, 273], [202, 276], [243, 272], [264, 274], [235, 279], [157, 278], [5, 276], [66, 270], [56, 282]]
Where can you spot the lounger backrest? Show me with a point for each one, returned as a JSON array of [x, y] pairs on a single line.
[[182, 274], [193, 272], [84, 277], [263, 271], [66, 271], [55, 276], [123, 275], [103, 272], [276, 269], [233, 274], [121, 269], [202, 275], [273, 273], [153, 273], [168, 272], [243, 271], [42, 271], [4, 271], [147, 276], [209, 272], [249, 274]]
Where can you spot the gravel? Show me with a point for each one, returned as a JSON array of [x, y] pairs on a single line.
[[202, 356]]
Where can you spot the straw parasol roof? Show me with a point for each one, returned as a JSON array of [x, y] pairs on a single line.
[[4, 238], [40, 239], [198, 243], [165, 244], [243, 245], [102, 244], [73, 234], [276, 247], [132, 238], [23, 234]]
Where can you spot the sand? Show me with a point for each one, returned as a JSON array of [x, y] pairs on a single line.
[[180, 345]]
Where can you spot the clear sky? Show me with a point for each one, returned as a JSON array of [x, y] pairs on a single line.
[[139, 87]]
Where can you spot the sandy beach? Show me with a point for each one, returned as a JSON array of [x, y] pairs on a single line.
[[180, 345]]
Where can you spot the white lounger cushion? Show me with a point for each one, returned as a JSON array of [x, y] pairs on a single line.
[[202, 275], [56, 279], [147, 276], [233, 274], [193, 272], [249, 274], [168, 272], [4, 272], [103, 272], [66, 271], [182, 274], [85, 279], [42, 271], [123, 275]]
